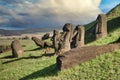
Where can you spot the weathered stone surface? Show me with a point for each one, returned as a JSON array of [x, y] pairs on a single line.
[[66, 38], [38, 42], [78, 38], [46, 36], [47, 44], [16, 48], [41, 43], [101, 26], [79, 55], [56, 37]]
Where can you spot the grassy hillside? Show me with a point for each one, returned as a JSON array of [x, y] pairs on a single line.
[[113, 23], [35, 65], [114, 13], [113, 18]]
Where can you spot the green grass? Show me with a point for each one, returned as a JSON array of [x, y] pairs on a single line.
[[114, 13], [31, 61], [104, 67], [113, 24], [88, 26], [33, 65], [112, 37]]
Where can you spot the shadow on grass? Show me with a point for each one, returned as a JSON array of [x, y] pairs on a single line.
[[46, 72], [30, 57], [90, 35], [117, 41], [33, 49], [7, 57], [113, 24]]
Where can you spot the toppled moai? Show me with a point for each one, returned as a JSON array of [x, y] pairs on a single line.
[[101, 26], [38, 42], [66, 38], [77, 56], [47, 44], [46, 36], [16, 47], [41, 43], [78, 38], [56, 36]]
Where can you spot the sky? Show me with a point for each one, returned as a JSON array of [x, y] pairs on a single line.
[[22, 14]]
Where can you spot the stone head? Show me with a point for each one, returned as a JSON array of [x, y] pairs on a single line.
[[67, 27]]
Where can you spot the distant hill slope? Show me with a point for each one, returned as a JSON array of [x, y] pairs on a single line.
[[113, 18], [29, 31], [113, 23], [114, 13]]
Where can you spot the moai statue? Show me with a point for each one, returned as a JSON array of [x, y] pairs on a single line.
[[47, 44], [101, 26], [17, 50], [41, 43], [56, 36], [38, 42], [66, 38], [78, 39], [46, 36]]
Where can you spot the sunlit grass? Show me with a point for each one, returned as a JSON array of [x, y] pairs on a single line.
[[34, 65], [112, 37], [104, 67]]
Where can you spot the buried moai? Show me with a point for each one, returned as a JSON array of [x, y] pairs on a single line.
[[55, 37], [78, 38], [16, 48], [66, 38], [101, 26]]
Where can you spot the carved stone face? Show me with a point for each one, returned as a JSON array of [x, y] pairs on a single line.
[[101, 26], [55, 32], [100, 18], [16, 48], [78, 27], [67, 27], [33, 38]]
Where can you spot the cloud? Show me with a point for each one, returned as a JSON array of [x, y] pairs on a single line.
[[48, 13]]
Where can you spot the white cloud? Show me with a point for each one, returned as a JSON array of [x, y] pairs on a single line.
[[55, 12]]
